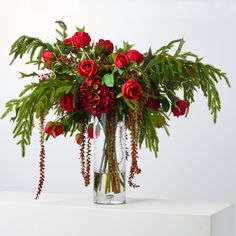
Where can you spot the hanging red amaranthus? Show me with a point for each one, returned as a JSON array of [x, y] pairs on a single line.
[[41, 155]]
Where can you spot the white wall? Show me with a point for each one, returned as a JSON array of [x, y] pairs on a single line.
[[198, 160]]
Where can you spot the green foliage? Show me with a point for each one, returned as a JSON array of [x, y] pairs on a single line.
[[108, 79], [127, 46], [184, 71], [148, 56], [147, 132], [24, 75], [165, 104], [24, 45], [80, 29], [63, 31], [166, 71], [34, 99]]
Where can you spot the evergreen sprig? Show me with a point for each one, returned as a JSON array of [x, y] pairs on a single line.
[[184, 71], [24, 45], [147, 132], [41, 96], [63, 31]]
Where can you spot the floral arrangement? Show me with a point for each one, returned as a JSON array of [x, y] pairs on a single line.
[[86, 80]]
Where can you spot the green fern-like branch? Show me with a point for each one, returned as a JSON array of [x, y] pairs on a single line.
[[24, 45], [185, 71], [35, 97], [63, 31]]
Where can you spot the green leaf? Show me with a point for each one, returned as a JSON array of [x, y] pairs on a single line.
[[119, 95], [108, 79], [181, 43], [80, 79], [24, 75], [114, 70], [120, 71], [129, 104], [80, 29], [49, 47], [63, 30], [127, 46], [165, 104], [132, 64], [9, 109], [111, 59], [147, 58]]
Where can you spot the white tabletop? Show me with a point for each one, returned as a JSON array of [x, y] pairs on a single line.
[[73, 215], [133, 204]]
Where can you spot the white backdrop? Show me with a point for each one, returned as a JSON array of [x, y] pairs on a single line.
[[198, 160]]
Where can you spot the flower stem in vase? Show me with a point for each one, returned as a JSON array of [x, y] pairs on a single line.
[[109, 171]]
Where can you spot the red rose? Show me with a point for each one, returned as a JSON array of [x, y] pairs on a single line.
[[79, 138], [87, 68], [68, 41], [182, 104], [180, 109], [54, 129], [131, 90], [47, 56], [48, 127], [135, 56], [90, 131], [121, 60], [105, 45], [79, 39], [67, 103]]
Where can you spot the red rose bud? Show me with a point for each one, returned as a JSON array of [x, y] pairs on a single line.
[[105, 45], [180, 109], [79, 138], [48, 127], [135, 56], [121, 60], [131, 90], [160, 121], [67, 103], [79, 39], [90, 131], [47, 56], [57, 129], [54, 129], [87, 68]]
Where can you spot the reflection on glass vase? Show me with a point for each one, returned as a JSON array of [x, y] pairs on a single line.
[[109, 159]]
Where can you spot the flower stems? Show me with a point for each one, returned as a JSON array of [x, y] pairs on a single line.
[[109, 178]]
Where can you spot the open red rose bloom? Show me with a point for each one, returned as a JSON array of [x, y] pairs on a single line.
[[88, 80]]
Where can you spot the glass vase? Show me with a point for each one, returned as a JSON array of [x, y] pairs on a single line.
[[109, 159]]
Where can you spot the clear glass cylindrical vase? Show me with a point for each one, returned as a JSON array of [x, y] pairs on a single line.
[[109, 159]]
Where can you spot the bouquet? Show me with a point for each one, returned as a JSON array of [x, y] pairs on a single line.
[[96, 86]]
